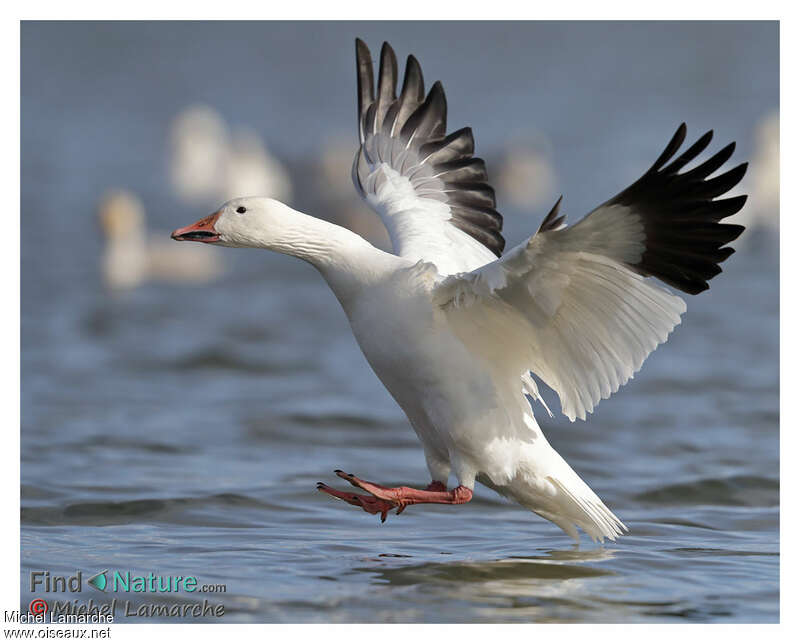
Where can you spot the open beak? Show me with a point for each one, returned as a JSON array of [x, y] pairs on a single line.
[[201, 231]]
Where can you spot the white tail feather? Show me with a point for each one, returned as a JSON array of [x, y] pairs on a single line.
[[547, 485]]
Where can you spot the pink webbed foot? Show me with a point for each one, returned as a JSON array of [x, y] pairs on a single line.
[[382, 499], [368, 503]]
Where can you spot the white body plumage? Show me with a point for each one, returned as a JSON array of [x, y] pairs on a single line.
[[472, 422]]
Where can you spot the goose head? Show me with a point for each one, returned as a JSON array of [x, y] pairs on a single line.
[[248, 222]]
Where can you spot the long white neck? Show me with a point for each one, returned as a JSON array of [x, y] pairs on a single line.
[[346, 260]]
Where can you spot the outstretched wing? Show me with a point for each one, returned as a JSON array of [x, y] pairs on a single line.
[[431, 193], [572, 304]]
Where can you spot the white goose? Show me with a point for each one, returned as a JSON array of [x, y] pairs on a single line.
[[454, 330]]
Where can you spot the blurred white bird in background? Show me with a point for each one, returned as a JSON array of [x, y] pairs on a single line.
[[526, 177], [766, 169], [132, 257], [762, 214], [198, 153], [208, 162]]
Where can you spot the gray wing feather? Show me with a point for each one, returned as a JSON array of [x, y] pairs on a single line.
[[409, 133]]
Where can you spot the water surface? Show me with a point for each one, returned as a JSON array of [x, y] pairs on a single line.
[[181, 430]]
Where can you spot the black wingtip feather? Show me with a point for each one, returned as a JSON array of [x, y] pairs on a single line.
[[365, 83], [691, 152], [684, 241], [364, 74], [711, 165], [429, 121], [552, 221], [387, 81], [472, 170], [414, 81], [721, 184], [471, 194], [672, 147], [387, 85], [455, 146]]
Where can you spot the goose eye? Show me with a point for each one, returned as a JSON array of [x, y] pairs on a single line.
[[241, 210]]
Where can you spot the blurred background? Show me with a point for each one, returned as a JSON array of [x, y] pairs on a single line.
[[179, 402]]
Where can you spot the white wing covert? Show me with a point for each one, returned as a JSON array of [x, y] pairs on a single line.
[[573, 306], [431, 193]]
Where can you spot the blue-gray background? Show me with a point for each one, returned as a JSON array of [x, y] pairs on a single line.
[[180, 430]]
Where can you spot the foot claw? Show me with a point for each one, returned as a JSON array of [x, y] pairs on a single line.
[[379, 491], [353, 480]]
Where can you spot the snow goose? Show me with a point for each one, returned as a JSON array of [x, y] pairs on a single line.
[[453, 327]]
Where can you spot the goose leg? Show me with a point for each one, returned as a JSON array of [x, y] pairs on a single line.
[[382, 499]]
